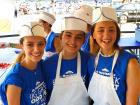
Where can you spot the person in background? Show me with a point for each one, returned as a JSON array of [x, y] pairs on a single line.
[[53, 43], [24, 84], [85, 12], [116, 76], [66, 73]]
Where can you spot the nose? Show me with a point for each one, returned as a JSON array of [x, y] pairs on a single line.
[[106, 33], [73, 40], [36, 48]]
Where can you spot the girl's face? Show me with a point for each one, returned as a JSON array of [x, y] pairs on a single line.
[[105, 34], [44, 24], [33, 46], [72, 41]]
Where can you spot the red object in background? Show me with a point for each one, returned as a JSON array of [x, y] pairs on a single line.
[[4, 65]]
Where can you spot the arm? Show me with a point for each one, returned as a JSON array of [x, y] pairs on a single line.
[[13, 95], [133, 82], [57, 44]]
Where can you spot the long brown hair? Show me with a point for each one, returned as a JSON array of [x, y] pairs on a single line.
[[21, 56]]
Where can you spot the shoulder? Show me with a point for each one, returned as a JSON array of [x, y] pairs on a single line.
[[50, 62], [12, 76], [54, 34], [127, 54], [52, 58], [85, 54]]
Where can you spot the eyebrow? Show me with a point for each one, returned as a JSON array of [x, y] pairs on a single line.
[[68, 32], [79, 34], [107, 27]]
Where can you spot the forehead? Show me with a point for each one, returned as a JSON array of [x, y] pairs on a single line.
[[33, 38], [43, 21], [105, 24], [74, 32]]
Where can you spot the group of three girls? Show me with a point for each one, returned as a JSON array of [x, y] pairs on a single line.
[[112, 79]]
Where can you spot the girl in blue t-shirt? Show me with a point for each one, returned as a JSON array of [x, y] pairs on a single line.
[[116, 76], [66, 73], [53, 45], [24, 84]]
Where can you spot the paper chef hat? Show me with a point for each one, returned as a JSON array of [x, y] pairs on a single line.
[[47, 17], [32, 29], [104, 14], [69, 23], [85, 13]]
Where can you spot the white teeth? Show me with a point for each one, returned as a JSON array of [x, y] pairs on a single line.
[[71, 45], [106, 41], [36, 54]]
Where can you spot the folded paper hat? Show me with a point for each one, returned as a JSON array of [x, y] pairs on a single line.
[[32, 29], [47, 17], [104, 14], [69, 23], [85, 13]]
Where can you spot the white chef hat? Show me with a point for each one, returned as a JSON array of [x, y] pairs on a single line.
[[47, 17], [32, 29], [69, 23], [104, 14], [84, 12]]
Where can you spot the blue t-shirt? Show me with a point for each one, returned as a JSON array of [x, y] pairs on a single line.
[[86, 46], [119, 75], [31, 82], [50, 42], [68, 68]]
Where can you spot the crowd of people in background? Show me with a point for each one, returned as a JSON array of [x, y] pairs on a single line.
[[75, 60]]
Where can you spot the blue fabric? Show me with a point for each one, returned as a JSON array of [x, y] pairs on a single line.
[[68, 68], [31, 82], [86, 46], [119, 72], [50, 42]]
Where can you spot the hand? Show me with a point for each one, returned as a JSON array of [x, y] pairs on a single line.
[[4, 44]]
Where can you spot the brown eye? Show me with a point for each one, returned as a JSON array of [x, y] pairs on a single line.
[[41, 44], [30, 45], [67, 35]]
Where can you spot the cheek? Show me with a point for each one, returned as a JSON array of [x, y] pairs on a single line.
[[64, 39], [96, 37], [114, 37]]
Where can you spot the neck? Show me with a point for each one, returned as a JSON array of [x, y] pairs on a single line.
[[47, 31], [68, 56], [28, 64], [108, 53]]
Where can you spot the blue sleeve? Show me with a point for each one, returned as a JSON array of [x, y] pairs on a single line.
[[50, 42], [13, 79]]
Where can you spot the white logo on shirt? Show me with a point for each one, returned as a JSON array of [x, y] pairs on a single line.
[[38, 94], [116, 82], [105, 70], [68, 73]]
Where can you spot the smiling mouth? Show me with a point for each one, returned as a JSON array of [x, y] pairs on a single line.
[[37, 54], [71, 46], [106, 41]]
